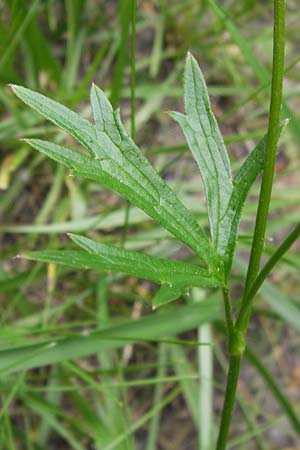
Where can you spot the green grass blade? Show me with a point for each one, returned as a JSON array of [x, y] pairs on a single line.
[[205, 382], [39, 53], [259, 70], [76, 18], [169, 322], [15, 39], [275, 389], [282, 304], [47, 411], [125, 19], [153, 428], [182, 365]]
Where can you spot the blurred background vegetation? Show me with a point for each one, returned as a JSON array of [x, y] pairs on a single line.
[[155, 392]]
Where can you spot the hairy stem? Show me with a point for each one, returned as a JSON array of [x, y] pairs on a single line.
[[238, 335]]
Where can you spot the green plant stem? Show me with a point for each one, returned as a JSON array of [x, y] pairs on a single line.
[[268, 174], [237, 337], [282, 249], [228, 311], [231, 385]]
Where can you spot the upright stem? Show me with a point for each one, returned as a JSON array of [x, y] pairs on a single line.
[[231, 385], [236, 341], [268, 174], [228, 311]]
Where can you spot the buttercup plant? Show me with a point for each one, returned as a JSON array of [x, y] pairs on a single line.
[[114, 160]]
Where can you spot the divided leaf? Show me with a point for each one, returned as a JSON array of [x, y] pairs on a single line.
[[225, 196], [78, 127], [113, 259], [118, 163], [244, 179], [205, 142]]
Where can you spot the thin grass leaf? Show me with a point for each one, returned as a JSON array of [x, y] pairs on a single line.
[[18, 34], [76, 18], [125, 16], [154, 424], [275, 388], [281, 303], [182, 365], [46, 411], [260, 71], [37, 50], [205, 422], [170, 322], [205, 142]]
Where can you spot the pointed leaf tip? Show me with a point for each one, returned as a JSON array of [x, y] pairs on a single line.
[[205, 141]]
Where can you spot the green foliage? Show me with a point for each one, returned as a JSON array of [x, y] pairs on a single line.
[[115, 161], [145, 329], [225, 195], [53, 314], [110, 258], [205, 142]]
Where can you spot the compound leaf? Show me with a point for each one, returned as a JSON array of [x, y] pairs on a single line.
[[118, 163]]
